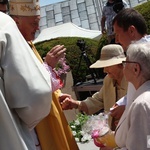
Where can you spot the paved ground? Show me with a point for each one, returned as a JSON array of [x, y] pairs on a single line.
[[87, 146]]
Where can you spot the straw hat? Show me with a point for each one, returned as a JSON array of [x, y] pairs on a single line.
[[24, 7], [111, 54]]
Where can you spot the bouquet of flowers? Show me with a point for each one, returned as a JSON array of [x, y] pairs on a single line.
[[97, 126], [76, 127]]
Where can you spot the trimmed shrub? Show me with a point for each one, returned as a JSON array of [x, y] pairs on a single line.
[[144, 9], [74, 54]]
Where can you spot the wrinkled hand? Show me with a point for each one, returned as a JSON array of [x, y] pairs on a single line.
[[67, 102], [54, 55], [117, 111]]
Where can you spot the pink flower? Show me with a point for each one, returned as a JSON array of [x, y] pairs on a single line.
[[95, 134], [62, 67]]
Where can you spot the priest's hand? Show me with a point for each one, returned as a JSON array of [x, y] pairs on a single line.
[[53, 56]]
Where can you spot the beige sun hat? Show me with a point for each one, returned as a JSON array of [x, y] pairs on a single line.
[[111, 54], [24, 7]]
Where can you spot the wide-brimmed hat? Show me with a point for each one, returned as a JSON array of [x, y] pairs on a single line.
[[111, 54], [24, 7]]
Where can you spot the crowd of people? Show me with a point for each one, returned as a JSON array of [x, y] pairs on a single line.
[[50, 126], [31, 102], [133, 126]]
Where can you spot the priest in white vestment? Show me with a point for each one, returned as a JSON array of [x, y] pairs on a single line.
[[25, 89]]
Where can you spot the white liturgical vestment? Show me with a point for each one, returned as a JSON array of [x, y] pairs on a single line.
[[25, 95]]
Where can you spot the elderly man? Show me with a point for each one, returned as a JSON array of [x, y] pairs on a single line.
[[114, 85], [25, 89], [27, 15]]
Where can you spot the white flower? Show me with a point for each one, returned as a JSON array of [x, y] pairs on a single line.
[[77, 122], [76, 126], [87, 137], [77, 139], [73, 127], [83, 139], [74, 133], [82, 132]]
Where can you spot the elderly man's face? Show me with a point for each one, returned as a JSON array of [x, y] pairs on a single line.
[[3, 8], [114, 71], [28, 25]]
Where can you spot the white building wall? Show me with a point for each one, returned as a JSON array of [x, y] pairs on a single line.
[[80, 12], [83, 13]]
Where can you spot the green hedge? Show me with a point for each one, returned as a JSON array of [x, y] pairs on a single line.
[[144, 9], [73, 54]]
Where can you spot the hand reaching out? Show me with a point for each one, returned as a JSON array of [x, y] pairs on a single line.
[[67, 102], [54, 55], [117, 111]]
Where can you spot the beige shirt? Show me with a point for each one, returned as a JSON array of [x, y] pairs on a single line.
[[106, 97]]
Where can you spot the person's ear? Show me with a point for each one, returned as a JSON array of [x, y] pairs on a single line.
[[137, 69], [131, 31]]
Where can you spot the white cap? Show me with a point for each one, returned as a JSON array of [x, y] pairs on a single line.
[[24, 7]]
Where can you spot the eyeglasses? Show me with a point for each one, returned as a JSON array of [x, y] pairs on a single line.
[[125, 62]]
